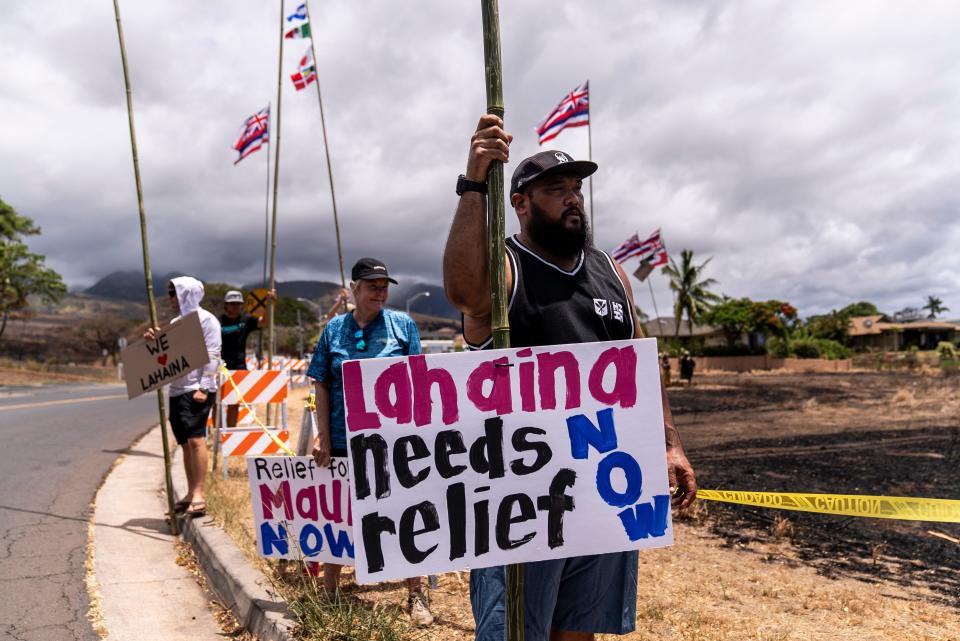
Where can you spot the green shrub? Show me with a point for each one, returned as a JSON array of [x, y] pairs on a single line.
[[946, 351], [777, 347], [832, 349], [805, 348]]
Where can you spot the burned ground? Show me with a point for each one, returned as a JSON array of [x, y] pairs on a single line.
[[892, 433]]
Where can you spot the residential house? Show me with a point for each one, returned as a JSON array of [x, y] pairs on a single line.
[[880, 333]]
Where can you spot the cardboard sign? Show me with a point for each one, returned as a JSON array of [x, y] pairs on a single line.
[[478, 459], [256, 302], [177, 349], [301, 511]]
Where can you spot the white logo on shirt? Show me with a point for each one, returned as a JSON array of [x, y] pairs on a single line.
[[600, 306], [617, 311]]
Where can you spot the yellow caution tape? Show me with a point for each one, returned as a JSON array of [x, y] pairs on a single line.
[[879, 507], [253, 413], [312, 402]]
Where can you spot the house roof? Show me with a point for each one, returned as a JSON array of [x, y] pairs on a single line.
[[866, 325], [875, 325], [666, 326]]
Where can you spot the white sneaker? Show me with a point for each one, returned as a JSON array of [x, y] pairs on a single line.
[[419, 611]]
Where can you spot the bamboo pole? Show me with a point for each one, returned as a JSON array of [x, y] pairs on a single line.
[[147, 273], [266, 228], [326, 143], [500, 323], [276, 178], [271, 337], [266, 208]]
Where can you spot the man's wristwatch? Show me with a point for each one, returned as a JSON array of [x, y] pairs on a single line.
[[463, 184]]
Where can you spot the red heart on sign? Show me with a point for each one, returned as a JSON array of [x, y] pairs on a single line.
[[162, 359]]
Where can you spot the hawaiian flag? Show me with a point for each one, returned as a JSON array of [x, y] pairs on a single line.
[[299, 14], [573, 111], [300, 31], [651, 248], [255, 134], [307, 72]]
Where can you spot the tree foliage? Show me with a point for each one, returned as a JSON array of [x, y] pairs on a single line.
[[692, 291], [738, 316], [22, 273], [861, 308]]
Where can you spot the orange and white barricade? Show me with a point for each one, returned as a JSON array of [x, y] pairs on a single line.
[[298, 371], [248, 388], [252, 441], [252, 362]]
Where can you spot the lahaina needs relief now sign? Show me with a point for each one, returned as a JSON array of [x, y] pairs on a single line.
[[478, 459], [176, 350]]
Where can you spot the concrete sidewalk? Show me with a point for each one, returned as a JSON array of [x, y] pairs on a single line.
[[145, 594]]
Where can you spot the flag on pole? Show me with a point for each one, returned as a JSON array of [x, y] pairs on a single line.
[[300, 31], [652, 253], [255, 134], [299, 14], [633, 246], [573, 111], [307, 72]]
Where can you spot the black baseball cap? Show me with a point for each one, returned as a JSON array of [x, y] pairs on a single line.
[[370, 269], [547, 163]]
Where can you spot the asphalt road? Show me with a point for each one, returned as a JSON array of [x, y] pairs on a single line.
[[56, 443]]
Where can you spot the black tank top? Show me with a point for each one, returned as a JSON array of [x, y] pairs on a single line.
[[551, 306]]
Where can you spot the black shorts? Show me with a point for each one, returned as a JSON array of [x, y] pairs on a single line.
[[188, 417]]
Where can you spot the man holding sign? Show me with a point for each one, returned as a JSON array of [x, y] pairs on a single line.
[[561, 290], [192, 394]]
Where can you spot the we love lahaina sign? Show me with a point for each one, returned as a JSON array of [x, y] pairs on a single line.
[[176, 350]]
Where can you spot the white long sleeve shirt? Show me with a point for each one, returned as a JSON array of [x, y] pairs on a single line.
[[189, 295]]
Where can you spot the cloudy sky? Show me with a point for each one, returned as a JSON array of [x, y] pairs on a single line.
[[812, 149]]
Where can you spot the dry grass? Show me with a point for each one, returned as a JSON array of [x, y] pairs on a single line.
[[701, 589]]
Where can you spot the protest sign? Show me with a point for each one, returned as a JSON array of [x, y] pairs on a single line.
[[487, 458], [301, 511], [176, 350]]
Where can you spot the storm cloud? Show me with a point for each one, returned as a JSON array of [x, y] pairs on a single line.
[[809, 148]]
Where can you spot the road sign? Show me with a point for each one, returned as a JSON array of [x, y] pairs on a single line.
[[256, 302]]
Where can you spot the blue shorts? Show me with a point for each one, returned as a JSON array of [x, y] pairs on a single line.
[[580, 594]]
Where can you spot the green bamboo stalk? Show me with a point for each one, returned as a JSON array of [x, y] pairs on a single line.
[[147, 274], [326, 144], [271, 337], [500, 323], [276, 181]]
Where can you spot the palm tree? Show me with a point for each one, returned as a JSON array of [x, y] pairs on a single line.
[[935, 305], [692, 295]]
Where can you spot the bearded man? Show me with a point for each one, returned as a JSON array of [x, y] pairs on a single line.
[[561, 290]]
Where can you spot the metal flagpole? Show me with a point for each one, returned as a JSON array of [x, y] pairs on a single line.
[[500, 323], [649, 284], [147, 274], [590, 150], [326, 143]]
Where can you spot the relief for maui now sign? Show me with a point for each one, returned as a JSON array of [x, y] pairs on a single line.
[[487, 458], [301, 511], [176, 350]]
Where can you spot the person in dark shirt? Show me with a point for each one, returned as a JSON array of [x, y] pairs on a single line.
[[687, 365], [562, 290], [235, 327]]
